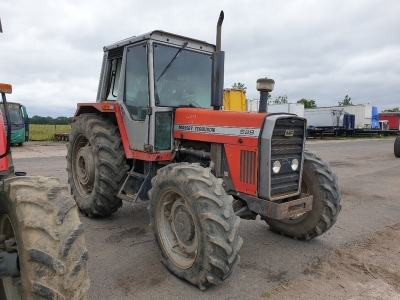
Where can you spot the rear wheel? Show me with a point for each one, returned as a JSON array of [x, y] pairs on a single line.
[[397, 147], [96, 165], [194, 224], [318, 181], [39, 221]]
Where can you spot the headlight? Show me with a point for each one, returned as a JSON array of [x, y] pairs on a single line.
[[276, 167], [295, 164]]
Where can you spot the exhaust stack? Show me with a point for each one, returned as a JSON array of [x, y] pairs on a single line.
[[219, 29], [264, 86], [218, 60]]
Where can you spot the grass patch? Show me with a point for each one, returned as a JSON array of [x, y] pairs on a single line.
[[283, 285], [46, 132], [266, 294]]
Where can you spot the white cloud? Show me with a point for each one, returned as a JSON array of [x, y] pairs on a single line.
[[51, 51]]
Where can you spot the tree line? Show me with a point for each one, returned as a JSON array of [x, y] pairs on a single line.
[[308, 103], [49, 120]]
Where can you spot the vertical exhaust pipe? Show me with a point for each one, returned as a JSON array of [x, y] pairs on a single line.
[[219, 29], [264, 86], [218, 60]]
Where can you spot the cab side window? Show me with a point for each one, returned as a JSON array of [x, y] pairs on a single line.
[[136, 94], [114, 79]]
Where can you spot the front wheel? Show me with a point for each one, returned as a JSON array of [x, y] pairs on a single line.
[[319, 181], [397, 147], [39, 222], [194, 224]]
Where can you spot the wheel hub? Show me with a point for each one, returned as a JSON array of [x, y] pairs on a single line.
[[184, 225], [10, 277], [85, 168], [177, 229]]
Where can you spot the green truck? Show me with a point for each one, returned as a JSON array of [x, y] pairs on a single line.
[[19, 122]]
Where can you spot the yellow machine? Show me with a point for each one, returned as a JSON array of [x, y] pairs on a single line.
[[235, 100]]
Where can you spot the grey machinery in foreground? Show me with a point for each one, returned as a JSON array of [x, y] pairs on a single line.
[[43, 253]]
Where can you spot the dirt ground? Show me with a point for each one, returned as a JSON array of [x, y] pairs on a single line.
[[359, 258], [366, 270]]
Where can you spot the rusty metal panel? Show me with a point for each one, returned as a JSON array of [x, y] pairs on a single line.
[[278, 210]]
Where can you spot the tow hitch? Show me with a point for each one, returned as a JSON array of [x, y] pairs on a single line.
[[279, 211]]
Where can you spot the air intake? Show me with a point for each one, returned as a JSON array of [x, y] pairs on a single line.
[[247, 167]]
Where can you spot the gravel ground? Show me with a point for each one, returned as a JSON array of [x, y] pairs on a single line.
[[352, 260]]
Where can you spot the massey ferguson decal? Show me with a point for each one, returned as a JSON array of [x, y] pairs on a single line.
[[249, 132], [195, 128]]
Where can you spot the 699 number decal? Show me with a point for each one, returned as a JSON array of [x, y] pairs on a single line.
[[247, 132]]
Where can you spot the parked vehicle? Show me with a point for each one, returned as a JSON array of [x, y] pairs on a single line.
[[366, 116], [325, 117], [42, 248], [234, 99], [397, 147], [157, 132], [19, 122], [393, 118]]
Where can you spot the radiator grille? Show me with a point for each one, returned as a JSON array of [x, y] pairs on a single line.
[[247, 167], [285, 149]]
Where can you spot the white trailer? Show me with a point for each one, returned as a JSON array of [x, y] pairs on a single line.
[[292, 108], [362, 113], [325, 117]]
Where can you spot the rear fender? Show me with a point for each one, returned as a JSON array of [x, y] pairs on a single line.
[[112, 110]]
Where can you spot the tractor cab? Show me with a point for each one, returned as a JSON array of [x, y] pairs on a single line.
[[151, 75]]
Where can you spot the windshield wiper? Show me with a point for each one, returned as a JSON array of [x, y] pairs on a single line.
[[173, 59]]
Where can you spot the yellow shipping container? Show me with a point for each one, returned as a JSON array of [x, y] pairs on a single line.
[[234, 100]]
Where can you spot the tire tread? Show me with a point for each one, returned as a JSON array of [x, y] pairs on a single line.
[[215, 212], [109, 156], [44, 270]]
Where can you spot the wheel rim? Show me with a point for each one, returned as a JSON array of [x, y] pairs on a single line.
[[177, 230], [83, 167], [12, 290]]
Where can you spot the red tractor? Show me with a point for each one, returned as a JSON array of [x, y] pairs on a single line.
[[42, 248], [157, 132]]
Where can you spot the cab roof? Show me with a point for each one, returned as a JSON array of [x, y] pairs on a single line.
[[163, 36]]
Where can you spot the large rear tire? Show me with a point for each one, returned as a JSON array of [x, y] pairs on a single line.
[[319, 181], [96, 165], [194, 224], [39, 217], [397, 147]]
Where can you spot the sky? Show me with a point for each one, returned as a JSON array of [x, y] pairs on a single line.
[[51, 51]]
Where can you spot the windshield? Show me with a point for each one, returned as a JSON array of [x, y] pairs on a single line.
[[183, 81], [15, 114]]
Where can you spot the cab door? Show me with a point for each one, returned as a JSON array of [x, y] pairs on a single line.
[[134, 97]]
